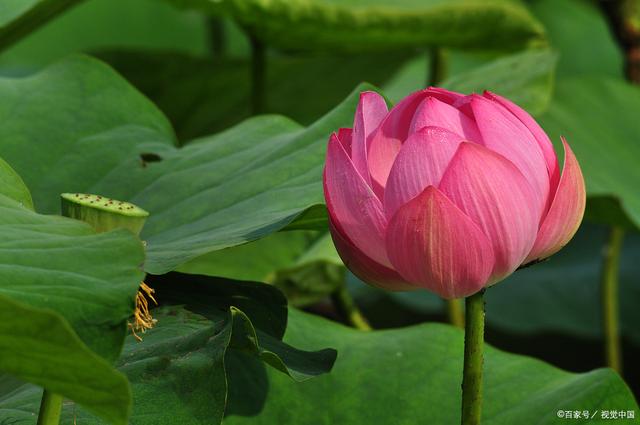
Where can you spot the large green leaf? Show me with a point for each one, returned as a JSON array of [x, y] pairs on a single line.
[[203, 96], [258, 260], [401, 376], [579, 31], [12, 186], [64, 289], [180, 371], [231, 188], [413, 375], [256, 317], [377, 24], [74, 123], [39, 346], [526, 78], [217, 192], [61, 264], [142, 24], [599, 119]]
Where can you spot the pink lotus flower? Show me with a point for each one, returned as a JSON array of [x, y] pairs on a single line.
[[447, 192]]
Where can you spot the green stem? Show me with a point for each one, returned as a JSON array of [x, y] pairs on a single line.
[[258, 75], [217, 37], [437, 66], [455, 312], [348, 308], [38, 16], [50, 409], [609, 288], [473, 359]]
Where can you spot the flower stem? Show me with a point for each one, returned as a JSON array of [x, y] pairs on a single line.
[[348, 308], [217, 37], [437, 66], [473, 359], [258, 75], [455, 312], [609, 288], [50, 409]]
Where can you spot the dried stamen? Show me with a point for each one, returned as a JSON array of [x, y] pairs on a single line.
[[142, 318]]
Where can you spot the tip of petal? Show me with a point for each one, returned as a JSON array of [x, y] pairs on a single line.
[[471, 147], [566, 210], [475, 97], [369, 94], [333, 138]]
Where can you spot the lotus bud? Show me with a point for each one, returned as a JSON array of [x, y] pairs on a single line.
[[447, 192]]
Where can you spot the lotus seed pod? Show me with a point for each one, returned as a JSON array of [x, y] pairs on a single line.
[[104, 214]]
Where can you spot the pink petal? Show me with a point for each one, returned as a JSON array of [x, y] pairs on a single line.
[[344, 135], [353, 205], [371, 110], [538, 133], [566, 211], [435, 245], [502, 132], [446, 96], [386, 140], [495, 195], [364, 267], [432, 112], [421, 162], [455, 99], [382, 154]]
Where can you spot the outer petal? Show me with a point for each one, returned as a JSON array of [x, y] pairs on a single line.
[[538, 133], [566, 211], [496, 196], [344, 135], [455, 99], [364, 267], [435, 245], [371, 110], [446, 96], [421, 162], [353, 205], [502, 132], [432, 112], [386, 140]]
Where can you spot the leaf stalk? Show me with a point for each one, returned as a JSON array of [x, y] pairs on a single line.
[[609, 295], [50, 408], [347, 307], [258, 75]]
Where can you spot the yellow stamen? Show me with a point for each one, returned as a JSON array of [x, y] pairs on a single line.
[[142, 318]]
